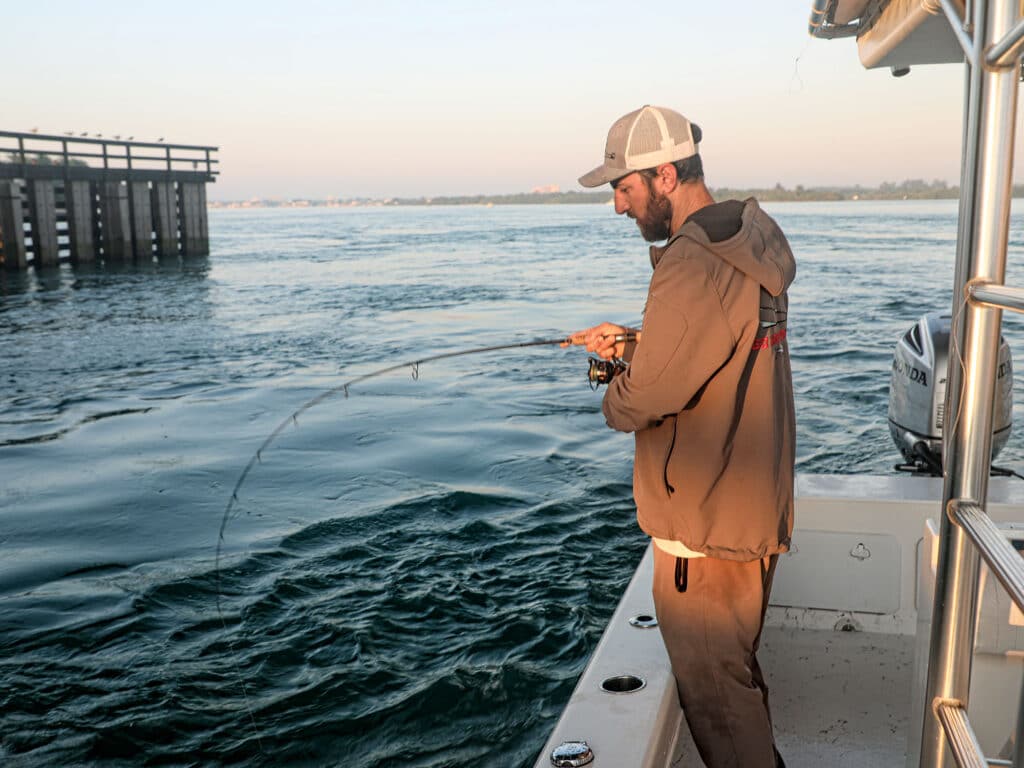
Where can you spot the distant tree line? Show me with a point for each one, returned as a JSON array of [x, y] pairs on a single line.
[[518, 198], [911, 189]]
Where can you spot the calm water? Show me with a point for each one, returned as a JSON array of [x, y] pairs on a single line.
[[415, 573]]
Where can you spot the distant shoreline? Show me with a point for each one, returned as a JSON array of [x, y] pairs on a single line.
[[907, 190]]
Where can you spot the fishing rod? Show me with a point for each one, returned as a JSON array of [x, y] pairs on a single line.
[[600, 372]]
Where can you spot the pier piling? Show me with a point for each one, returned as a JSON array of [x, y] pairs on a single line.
[[43, 211], [119, 200], [165, 217], [192, 203], [115, 222], [81, 206], [12, 225], [141, 206]]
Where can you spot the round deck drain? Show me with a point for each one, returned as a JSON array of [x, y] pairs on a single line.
[[623, 684], [644, 621], [570, 754]]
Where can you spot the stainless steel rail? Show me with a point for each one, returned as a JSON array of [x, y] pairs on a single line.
[[956, 23], [822, 26], [966, 534], [991, 34], [960, 735], [966, 750], [1003, 560], [998, 296], [1003, 53]]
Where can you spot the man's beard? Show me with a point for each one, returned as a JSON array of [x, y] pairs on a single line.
[[657, 222]]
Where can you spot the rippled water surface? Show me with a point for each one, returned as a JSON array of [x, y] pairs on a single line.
[[414, 573]]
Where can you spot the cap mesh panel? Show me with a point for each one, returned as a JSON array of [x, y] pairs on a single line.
[[646, 135], [678, 127]]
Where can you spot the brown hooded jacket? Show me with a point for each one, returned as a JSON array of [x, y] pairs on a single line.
[[709, 392]]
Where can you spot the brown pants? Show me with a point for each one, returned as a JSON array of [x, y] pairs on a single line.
[[710, 613]]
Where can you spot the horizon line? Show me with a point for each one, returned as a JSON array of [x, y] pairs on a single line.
[[915, 188]]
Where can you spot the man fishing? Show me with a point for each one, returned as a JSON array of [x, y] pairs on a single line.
[[708, 395]]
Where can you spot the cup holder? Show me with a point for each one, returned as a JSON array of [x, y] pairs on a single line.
[[623, 684]]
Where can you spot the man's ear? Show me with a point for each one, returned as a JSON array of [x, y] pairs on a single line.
[[668, 176]]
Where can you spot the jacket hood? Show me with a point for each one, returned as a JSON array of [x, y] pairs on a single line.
[[759, 249]]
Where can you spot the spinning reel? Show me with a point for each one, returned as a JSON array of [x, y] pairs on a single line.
[[603, 371]]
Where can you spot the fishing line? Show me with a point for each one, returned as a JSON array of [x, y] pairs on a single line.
[[257, 457], [414, 365], [796, 70]]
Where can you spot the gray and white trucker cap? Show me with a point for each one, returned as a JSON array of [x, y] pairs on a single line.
[[643, 139]]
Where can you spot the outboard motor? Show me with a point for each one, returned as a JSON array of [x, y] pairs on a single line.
[[917, 394]]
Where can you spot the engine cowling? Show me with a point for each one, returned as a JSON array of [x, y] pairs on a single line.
[[917, 393]]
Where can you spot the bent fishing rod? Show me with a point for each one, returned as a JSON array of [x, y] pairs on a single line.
[[600, 372]]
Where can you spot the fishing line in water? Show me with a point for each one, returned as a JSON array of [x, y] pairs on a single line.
[[257, 457], [413, 365]]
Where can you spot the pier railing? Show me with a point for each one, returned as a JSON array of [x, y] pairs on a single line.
[[36, 156]]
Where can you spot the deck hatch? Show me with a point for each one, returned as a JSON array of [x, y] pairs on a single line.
[[840, 571]]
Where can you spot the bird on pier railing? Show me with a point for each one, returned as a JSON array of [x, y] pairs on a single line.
[[129, 138], [117, 136], [35, 130], [84, 133], [161, 138], [69, 133]]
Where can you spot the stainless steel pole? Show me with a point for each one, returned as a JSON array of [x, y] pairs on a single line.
[[986, 180], [1018, 747]]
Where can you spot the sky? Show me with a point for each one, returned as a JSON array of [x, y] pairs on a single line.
[[406, 99]]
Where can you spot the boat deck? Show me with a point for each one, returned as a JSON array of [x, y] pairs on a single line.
[[862, 560], [838, 698]]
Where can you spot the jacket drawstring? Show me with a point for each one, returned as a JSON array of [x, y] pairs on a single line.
[[682, 573]]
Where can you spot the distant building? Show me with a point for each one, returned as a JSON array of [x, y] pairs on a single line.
[[547, 189]]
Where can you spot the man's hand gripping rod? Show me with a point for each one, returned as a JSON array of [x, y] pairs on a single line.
[[603, 371]]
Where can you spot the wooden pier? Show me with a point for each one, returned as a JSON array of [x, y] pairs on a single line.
[[91, 199]]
